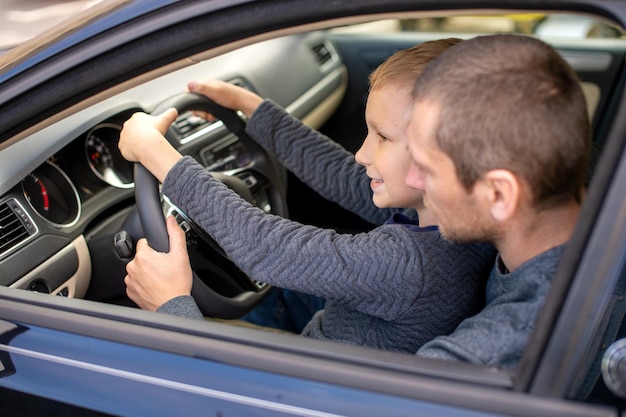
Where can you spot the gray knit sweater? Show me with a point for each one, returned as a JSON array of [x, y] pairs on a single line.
[[393, 288], [498, 335]]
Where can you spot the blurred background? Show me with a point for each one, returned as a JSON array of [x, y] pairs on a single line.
[[20, 20], [23, 19]]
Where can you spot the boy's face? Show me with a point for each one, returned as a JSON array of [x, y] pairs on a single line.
[[460, 216], [384, 151]]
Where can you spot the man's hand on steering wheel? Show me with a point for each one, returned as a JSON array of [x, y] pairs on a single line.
[[156, 277]]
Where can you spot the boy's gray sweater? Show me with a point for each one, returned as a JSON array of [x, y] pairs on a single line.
[[395, 287]]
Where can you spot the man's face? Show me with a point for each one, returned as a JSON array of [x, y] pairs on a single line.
[[460, 217]]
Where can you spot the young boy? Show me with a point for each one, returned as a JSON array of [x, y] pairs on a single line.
[[393, 288], [500, 140]]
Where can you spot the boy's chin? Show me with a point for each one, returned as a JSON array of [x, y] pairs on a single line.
[[383, 203], [380, 202]]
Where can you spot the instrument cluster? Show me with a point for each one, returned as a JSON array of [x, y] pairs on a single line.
[[57, 189], [52, 195], [104, 157]]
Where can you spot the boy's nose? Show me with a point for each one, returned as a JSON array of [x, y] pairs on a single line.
[[361, 156]]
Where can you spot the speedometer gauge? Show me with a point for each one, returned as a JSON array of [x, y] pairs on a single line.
[[51, 194], [104, 158]]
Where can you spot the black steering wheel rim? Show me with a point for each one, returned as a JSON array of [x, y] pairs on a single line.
[[150, 209]]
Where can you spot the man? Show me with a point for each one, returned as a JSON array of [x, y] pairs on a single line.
[[499, 139]]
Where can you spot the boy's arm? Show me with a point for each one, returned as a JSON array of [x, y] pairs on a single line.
[[369, 272], [316, 160]]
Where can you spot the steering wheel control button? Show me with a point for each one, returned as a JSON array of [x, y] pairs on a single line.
[[185, 226], [250, 180], [123, 244]]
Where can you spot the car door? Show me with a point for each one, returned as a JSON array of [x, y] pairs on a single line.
[[64, 351], [121, 361]]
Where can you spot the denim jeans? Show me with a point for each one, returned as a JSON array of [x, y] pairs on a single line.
[[285, 309]]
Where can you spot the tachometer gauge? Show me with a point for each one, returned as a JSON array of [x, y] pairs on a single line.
[[51, 194], [104, 158], [36, 193]]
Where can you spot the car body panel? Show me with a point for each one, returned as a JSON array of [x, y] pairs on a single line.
[[171, 370], [208, 386], [119, 360]]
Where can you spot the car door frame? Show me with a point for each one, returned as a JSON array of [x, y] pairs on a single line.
[[427, 382]]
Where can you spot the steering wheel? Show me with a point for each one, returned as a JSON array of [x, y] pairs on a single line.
[[150, 209]]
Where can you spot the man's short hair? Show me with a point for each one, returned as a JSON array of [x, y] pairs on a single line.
[[511, 102]]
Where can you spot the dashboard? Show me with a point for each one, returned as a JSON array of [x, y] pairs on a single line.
[[70, 190]]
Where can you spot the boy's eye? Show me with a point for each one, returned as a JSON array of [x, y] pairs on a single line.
[[382, 137]]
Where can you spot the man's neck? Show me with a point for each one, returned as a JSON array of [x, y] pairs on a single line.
[[535, 232], [425, 217]]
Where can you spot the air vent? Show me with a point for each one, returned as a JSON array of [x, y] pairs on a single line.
[[187, 124], [15, 226], [322, 53]]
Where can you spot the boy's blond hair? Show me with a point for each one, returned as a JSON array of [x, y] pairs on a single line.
[[405, 66]]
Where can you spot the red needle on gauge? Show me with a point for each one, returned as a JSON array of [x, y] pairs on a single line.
[[43, 192]]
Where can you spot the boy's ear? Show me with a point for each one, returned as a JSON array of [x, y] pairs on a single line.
[[500, 190]]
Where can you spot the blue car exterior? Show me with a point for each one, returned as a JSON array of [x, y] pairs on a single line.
[[142, 381], [78, 357]]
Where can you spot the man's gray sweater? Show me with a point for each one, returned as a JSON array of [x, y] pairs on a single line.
[[498, 335]]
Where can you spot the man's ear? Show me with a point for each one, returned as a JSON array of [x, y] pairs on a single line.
[[501, 191]]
